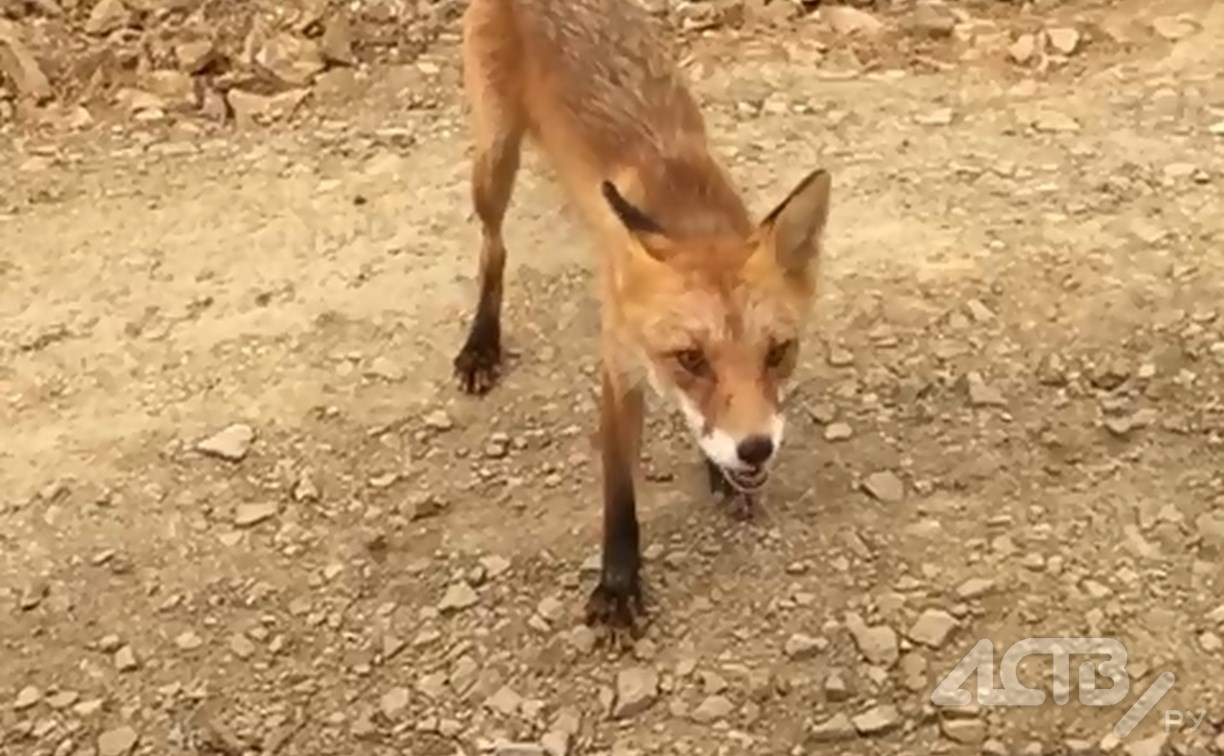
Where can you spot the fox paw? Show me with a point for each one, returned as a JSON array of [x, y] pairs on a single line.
[[617, 606], [478, 365]]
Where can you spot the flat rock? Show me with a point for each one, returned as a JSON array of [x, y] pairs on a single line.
[[838, 432], [251, 109], [231, 444], [393, 703], [19, 64], [458, 596], [967, 731], [932, 628], [712, 709], [981, 394], [836, 728], [884, 486], [27, 698], [877, 720], [1056, 123], [248, 515], [637, 688], [556, 743], [117, 742], [1174, 28], [975, 588], [800, 646], [878, 644], [848, 21], [1153, 746]]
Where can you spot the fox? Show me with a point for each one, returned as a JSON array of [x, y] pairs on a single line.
[[700, 303]]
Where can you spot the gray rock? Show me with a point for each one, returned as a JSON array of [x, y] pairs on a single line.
[[637, 688], [932, 628], [231, 443], [117, 742], [877, 720], [884, 486], [834, 729]]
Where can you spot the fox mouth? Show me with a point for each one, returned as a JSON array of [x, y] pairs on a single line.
[[746, 481]]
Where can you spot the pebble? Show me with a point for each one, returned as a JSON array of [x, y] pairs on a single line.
[[125, 660], [975, 588], [877, 720], [231, 444], [932, 628], [1210, 642], [248, 515], [1153, 746], [27, 698], [637, 688], [556, 743], [117, 742], [1064, 39], [835, 688], [847, 21], [63, 699], [838, 727], [241, 646], [1023, 49], [800, 647], [188, 641], [1056, 123], [433, 685], [505, 700], [838, 432], [393, 703], [878, 644], [980, 394], [967, 731], [458, 596], [884, 486], [438, 420], [712, 709], [495, 566], [1174, 28]]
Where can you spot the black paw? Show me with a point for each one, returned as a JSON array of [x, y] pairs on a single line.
[[478, 364], [617, 606]]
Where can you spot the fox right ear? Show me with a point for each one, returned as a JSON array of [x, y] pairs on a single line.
[[644, 230], [795, 226]]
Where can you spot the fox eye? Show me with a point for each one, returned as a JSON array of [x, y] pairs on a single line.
[[692, 360], [778, 352]]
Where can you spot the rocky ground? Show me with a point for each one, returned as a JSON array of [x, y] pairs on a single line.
[[245, 511]]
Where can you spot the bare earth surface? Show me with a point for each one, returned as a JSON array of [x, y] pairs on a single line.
[[1010, 425]]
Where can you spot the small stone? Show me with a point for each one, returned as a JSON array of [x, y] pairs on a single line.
[[556, 743], [337, 43], [712, 709], [838, 432], [967, 731], [877, 720], [106, 17], [27, 698], [251, 109], [637, 688], [505, 700], [934, 19], [88, 708], [978, 310], [840, 357], [932, 628], [195, 55], [1056, 123], [849, 21], [458, 596], [1153, 746], [438, 420], [1023, 49], [231, 444], [109, 644], [974, 588], [432, 685], [885, 487], [248, 515], [305, 489], [188, 641], [834, 729], [125, 660], [117, 742], [835, 688], [1210, 642], [495, 566], [1174, 28], [63, 699], [800, 647], [393, 703], [582, 638], [550, 608], [241, 646], [980, 394], [994, 747], [878, 644], [1064, 39]]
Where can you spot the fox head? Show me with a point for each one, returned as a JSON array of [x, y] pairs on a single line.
[[718, 321]]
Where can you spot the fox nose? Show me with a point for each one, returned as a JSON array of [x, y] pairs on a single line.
[[755, 450]]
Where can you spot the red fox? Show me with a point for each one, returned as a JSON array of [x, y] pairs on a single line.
[[699, 302]]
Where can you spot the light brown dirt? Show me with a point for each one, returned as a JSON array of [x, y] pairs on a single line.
[[312, 280]]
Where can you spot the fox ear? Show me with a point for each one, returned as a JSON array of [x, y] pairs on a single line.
[[648, 236], [793, 229]]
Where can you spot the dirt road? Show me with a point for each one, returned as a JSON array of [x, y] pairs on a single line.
[[1010, 426]]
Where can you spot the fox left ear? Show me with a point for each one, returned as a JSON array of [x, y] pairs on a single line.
[[795, 226]]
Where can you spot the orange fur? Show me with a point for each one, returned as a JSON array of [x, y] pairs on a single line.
[[697, 297]]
